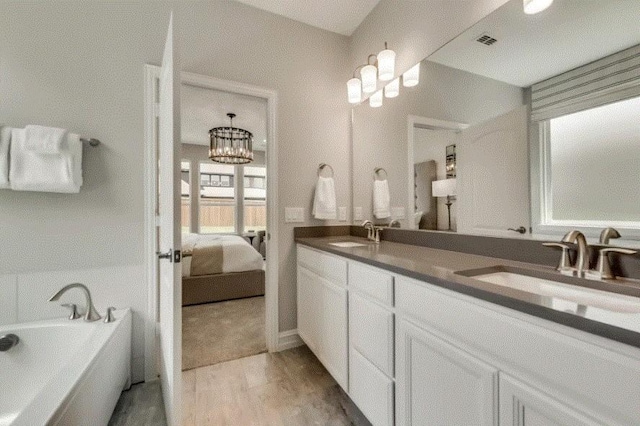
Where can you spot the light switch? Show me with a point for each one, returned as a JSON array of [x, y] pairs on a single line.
[[357, 213], [342, 214], [299, 214]]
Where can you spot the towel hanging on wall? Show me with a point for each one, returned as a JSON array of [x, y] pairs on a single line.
[[324, 201], [381, 199], [32, 171]]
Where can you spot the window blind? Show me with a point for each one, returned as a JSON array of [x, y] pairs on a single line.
[[610, 79]]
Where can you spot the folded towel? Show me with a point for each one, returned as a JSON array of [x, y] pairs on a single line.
[[44, 140], [5, 142], [30, 171], [324, 201], [381, 199]]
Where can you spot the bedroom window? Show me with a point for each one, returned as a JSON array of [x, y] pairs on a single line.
[[185, 200], [217, 198], [255, 197]]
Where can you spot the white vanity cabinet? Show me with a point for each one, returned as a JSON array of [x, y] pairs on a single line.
[[411, 353], [439, 384], [322, 309], [371, 347]]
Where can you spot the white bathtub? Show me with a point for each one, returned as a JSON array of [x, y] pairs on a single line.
[[65, 372]]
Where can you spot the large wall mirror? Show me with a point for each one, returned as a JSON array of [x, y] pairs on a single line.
[[522, 126]]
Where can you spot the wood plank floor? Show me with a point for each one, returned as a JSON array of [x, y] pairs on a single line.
[[285, 388]]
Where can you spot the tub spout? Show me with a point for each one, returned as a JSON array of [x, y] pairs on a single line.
[[91, 313]]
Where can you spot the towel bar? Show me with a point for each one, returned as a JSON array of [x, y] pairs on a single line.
[[377, 171], [91, 141], [322, 166]]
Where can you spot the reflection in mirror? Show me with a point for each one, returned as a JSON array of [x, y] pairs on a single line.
[[541, 120]]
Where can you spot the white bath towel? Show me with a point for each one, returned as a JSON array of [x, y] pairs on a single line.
[[44, 140], [381, 199], [5, 142], [30, 171], [324, 201]]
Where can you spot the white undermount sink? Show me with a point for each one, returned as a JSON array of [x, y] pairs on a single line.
[[347, 244], [580, 295]]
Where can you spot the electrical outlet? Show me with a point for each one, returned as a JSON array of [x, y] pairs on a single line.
[[357, 213], [342, 214]]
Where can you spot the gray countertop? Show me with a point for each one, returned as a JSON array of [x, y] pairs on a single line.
[[443, 267]]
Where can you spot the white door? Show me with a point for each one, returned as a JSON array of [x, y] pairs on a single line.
[[439, 384], [522, 405], [493, 176], [170, 322]]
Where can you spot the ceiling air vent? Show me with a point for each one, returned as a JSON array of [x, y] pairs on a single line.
[[486, 39]]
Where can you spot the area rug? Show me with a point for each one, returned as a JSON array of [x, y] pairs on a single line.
[[222, 331]]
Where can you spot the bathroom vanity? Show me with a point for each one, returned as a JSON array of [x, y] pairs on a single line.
[[415, 339]]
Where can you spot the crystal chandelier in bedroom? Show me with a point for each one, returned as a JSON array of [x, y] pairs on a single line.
[[230, 145]]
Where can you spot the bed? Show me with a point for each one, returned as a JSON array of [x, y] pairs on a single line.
[[219, 267]]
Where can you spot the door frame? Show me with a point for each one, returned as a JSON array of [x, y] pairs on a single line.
[[151, 74], [414, 121]]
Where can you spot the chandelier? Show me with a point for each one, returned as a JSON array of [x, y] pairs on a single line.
[[230, 145]]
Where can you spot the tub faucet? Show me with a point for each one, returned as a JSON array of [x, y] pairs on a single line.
[[582, 262], [91, 313]]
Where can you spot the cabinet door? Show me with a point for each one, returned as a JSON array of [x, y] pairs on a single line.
[[370, 389], [439, 384], [522, 405], [333, 331], [309, 295], [371, 332]]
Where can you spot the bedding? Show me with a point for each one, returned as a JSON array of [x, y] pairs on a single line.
[[217, 254]]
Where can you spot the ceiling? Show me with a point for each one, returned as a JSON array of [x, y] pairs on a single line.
[[532, 48], [338, 16], [203, 109]]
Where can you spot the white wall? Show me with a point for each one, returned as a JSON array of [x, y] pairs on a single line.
[[415, 29], [431, 145], [80, 65]]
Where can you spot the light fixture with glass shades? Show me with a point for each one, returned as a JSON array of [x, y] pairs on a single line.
[[382, 68], [412, 76], [230, 145], [369, 76], [386, 64], [375, 101], [392, 89], [532, 7]]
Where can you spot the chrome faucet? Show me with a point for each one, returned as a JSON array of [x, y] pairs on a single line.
[[607, 234], [582, 262], [368, 225], [91, 313]]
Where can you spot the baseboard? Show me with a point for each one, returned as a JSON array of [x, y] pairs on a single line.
[[289, 339]]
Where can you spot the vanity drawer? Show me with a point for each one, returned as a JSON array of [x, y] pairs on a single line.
[[327, 266], [370, 390], [371, 332], [371, 281]]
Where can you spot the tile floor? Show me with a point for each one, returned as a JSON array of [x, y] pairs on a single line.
[[287, 388]]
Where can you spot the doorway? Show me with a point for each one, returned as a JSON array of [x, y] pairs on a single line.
[[224, 227], [244, 216]]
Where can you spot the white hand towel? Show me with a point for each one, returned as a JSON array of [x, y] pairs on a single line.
[[44, 140], [30, 171], [5, 142], [324, 201], [381, 199]]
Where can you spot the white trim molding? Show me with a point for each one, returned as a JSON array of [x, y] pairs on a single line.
[[289, 339]]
